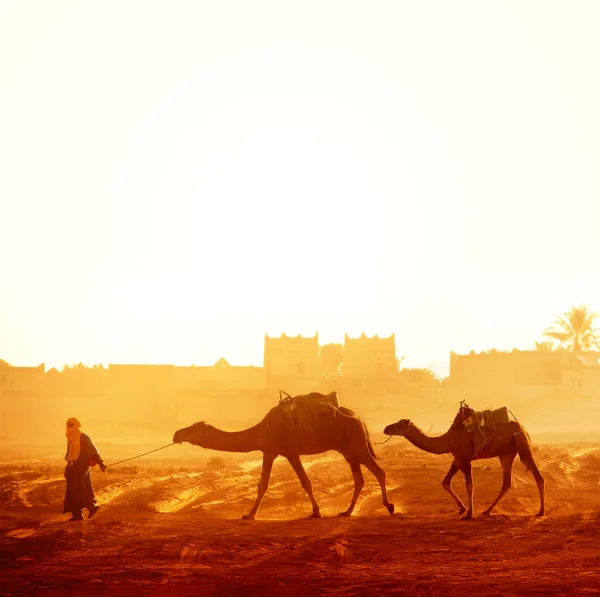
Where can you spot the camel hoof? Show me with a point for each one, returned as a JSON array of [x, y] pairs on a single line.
[[541, 513], [467, 517], [345, 514], [486, 513], [462, 510], [390, 508], [315, 515], [248, 517]]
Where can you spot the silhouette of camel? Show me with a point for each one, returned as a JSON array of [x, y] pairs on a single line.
[[508, 440], [341, 430]]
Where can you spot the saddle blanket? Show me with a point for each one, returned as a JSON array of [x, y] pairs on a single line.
[[304, 410], [483, 424]]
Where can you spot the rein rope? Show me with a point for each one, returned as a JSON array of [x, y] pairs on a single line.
[[139, 455], [388, 439]]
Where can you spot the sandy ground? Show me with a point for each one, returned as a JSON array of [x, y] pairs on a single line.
[[170, 525]]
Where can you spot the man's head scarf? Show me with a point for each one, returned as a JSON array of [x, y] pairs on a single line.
[[73, 434]]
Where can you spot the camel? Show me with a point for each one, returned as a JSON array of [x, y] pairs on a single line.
[[509, 440], [341, 430]]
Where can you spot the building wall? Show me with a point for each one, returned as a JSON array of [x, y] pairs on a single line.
[[523, 374], [589, 379], [77, 381], [482, 377], [17, 381], [221, 376], [292, 363], [369, 357], [369, 362]]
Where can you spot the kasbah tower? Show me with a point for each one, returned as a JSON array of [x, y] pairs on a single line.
[[293, 363]]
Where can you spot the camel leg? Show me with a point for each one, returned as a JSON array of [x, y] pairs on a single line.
[[447, 485], [506, 461], [540, 483], [263, 485], [526, 456], [359, 482], [532, 466], [306, 484], [380, 476], [466, 469]]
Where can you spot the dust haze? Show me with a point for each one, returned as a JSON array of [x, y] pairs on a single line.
[[171, 520], [242, 240]]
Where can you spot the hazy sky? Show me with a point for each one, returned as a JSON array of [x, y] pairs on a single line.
[[178, 178]]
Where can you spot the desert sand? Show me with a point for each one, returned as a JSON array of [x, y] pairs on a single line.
[[170, 524]]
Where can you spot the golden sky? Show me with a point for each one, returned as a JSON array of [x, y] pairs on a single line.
[[177, 179]]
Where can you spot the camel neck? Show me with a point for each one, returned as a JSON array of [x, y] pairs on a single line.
[[247, 440], [435, 445]]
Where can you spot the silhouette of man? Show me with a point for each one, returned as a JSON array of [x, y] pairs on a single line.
[[81, 454]]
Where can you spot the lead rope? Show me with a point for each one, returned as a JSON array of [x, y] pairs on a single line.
[[140, 455], [387, 440]]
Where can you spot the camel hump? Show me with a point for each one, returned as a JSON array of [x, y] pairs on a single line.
[[331, 398], [483, 424], [304, 410], [487, 418], [498, 416]]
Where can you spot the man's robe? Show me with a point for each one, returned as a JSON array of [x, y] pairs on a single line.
[[80, 493]]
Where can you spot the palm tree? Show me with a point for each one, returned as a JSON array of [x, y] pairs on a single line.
[[575, 330]]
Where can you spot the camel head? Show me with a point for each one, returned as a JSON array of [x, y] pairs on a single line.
[[399, 428], [191, 434]]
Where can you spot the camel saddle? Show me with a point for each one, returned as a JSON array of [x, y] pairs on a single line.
[[483, 424], [304, 410]]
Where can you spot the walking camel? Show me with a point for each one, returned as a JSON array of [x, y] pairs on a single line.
[[509, 440], [341, 430]]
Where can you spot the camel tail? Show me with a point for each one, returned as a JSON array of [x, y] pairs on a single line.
[[370, 442], [371, 447], [523, 442]]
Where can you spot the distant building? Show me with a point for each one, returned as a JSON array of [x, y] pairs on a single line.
[[292, 363], [370, 362], [17, 386], [20, 381], [221, 376], [499, 376], [160, 392], [79, 381]]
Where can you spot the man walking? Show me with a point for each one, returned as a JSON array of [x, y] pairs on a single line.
[[81, 454]]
